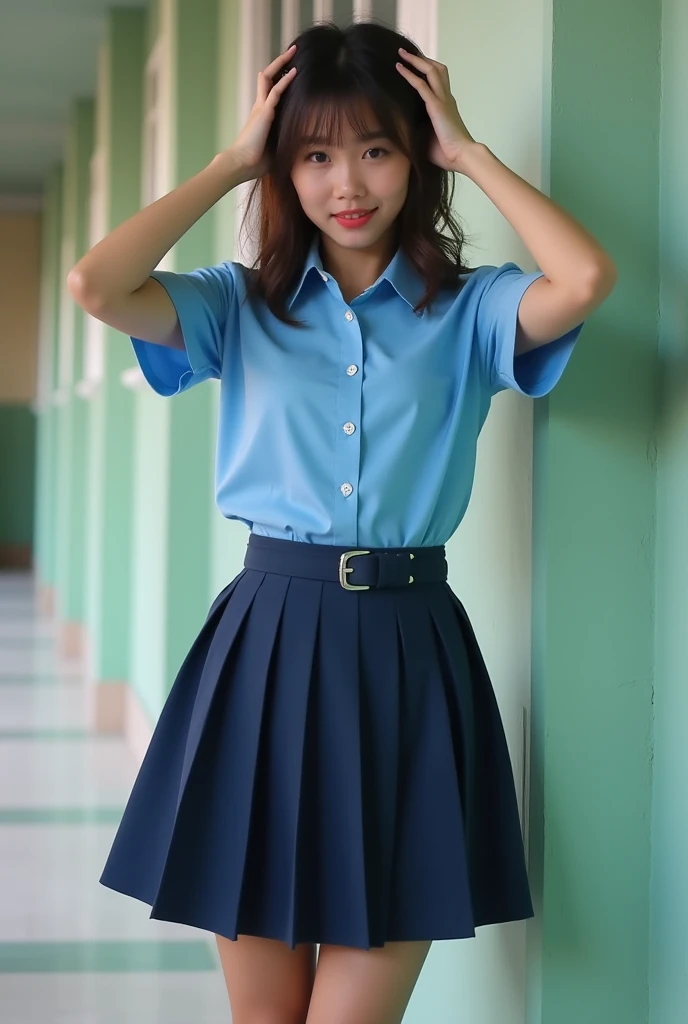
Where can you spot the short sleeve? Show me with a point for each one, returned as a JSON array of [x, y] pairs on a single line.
[[534, 373], [203, 300]]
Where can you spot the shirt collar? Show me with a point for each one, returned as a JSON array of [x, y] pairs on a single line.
[[400, 273], [312, 262]]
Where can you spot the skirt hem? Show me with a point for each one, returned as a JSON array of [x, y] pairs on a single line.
[[192, 921]]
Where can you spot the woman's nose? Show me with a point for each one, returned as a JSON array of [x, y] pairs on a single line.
[[349, 184]]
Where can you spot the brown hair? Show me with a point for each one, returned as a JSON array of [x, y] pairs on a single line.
[[337, 69]]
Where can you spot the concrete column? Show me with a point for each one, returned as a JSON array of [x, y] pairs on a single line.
[[72, 411], [110, 426]]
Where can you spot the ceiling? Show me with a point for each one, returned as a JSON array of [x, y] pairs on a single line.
[[48, 54]]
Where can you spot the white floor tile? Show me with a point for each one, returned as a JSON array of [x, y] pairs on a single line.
[[115, 999], [49, 872], [34, 706], [94, 772]]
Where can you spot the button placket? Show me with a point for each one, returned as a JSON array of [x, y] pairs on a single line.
[[348, 444]]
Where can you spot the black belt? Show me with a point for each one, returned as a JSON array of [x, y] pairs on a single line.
[[353, 568]]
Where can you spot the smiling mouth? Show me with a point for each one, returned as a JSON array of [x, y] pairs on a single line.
[[354, 215], [350, 219]]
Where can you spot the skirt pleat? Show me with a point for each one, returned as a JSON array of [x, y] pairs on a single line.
[[329, 767]]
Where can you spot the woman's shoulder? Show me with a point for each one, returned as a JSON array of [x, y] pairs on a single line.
[[227, 280], [475, 281], [484, 274]]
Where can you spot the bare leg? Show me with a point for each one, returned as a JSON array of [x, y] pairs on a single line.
[[365, 986], [267, 982]]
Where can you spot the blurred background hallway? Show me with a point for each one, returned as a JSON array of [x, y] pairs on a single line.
[[71, 950]]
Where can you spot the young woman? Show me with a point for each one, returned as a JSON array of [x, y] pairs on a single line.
[[330, 766]]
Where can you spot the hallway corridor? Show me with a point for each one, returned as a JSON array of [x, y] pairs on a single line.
[[71, 951]]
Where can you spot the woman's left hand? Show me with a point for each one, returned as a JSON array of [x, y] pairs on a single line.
[[451, 135]]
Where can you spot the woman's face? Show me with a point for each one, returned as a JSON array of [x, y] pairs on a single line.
[[352, 192]]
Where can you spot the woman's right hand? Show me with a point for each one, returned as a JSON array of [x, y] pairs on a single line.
[[249, 148]]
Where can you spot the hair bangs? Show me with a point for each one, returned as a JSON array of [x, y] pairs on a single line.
[[319, 119]]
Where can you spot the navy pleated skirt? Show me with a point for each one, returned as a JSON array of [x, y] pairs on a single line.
[[330, 765]]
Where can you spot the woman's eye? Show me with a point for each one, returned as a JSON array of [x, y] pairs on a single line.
[[312, 158], [377, 151]]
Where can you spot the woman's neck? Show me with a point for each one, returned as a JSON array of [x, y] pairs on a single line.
[[354, 270]]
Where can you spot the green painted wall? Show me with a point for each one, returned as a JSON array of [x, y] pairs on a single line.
[[669, 891], [111, 433], [17, 474], [594, 540]]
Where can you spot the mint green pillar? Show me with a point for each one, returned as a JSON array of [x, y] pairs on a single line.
[[594, 541], [110, 431], [175, 437], [192, 421], [46, 471], [228, 536], [71, 413]]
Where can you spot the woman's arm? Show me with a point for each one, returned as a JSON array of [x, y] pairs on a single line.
[[579, 274], [112, 281]]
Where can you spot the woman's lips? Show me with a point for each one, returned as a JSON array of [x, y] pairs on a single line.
[[354, 218]]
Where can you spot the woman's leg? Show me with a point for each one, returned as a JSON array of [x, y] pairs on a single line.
[[365, 986], [267, 982]]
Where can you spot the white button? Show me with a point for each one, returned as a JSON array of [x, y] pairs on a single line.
[[349, 428], [349, 315], [351, 370], [346, 490], [324, 275]]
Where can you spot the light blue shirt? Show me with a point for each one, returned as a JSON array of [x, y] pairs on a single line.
[[361, 428]]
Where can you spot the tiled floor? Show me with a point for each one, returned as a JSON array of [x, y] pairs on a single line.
[[72, 951]]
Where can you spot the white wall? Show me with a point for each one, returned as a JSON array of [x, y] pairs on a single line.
[[496, 53]]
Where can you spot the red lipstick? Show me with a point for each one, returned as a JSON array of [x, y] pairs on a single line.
[[354, 218]]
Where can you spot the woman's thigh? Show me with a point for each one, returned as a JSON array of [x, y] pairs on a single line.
[[365, 986], [267, 982]]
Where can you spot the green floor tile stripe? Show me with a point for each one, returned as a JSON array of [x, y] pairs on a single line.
[[60, 815], [130, 957]]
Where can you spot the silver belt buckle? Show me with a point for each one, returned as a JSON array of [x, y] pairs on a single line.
[[345, 569]]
